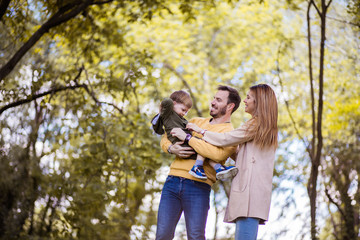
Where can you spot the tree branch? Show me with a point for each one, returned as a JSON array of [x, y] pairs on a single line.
[[287, 105], [343, 21], [63, 15], [171, 68], [335, 203], [92, 94], [328, 5], [4, 4], [317, 9], [36, 96], [102, 2], [313, 114]]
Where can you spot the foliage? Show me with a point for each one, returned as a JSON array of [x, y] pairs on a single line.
[[78, 157]]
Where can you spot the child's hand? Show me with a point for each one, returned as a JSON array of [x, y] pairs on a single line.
[[179, 133], [193, 127]]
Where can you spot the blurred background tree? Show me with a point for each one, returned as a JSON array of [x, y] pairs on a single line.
[[81, 80]]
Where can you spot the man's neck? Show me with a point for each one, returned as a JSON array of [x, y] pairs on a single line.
[[222, 119]]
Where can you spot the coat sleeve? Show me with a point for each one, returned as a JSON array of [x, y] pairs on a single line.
[[157, 124], [167, 106], [217, 154], [232, 138]]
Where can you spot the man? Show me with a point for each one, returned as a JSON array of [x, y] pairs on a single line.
[[184, 193]]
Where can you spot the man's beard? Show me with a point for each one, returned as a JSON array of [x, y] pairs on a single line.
[[220, 113]]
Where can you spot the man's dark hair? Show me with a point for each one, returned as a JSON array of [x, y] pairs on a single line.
[[234, 96]]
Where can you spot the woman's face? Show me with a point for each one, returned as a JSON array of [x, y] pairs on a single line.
[[250, 103]]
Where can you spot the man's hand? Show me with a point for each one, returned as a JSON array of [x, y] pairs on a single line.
[[180, 151], [179, 133]]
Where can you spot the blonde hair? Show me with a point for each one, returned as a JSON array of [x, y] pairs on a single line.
[[182, 97], [263, 126]]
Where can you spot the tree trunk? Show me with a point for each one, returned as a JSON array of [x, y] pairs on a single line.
[[318, 140], [4, 4]]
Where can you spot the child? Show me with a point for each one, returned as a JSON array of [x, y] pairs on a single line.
[[172, 112]]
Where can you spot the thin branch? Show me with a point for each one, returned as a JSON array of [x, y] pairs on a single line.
[[171, 68], [311, 82], [63, 15], [287, 105], [4, 4], [59, 89], [51, 217], [343, 21], [103, 2], [92, 94], [317, 9], [335, 203], [136, 99], [42, 223], [328, 5], [36, 96]]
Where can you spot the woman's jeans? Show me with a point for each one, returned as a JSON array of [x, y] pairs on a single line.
[[246, 228], [183, 195]]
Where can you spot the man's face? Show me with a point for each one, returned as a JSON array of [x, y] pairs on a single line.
[[219, 104]]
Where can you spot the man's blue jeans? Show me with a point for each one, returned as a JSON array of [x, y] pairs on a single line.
[[183, 195]]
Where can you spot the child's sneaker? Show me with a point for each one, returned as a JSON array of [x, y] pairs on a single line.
[[198, 172], [225, 173]]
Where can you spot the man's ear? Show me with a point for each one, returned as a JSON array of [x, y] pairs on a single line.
[[230, 106]]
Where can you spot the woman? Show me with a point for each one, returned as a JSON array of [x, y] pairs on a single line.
[[250, 194]]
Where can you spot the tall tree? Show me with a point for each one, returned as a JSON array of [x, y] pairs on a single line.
[[317, 143], [314, 139]]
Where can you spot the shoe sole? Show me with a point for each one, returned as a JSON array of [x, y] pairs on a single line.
[[227, 174], [194, 175]]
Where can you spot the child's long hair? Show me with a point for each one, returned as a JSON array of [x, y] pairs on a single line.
[[263, 126]]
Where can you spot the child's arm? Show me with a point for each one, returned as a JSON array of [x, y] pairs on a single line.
[[167, 105], [176, 148], [157, 124], [205, 149]]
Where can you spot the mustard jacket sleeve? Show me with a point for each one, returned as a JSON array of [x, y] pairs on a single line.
[[217, 154], [164, 143]]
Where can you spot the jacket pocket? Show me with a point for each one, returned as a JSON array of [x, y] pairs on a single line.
[[240, 181]]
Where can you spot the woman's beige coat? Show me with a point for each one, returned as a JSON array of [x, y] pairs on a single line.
[[250, 193]]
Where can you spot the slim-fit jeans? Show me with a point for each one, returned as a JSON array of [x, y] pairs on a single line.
[[246, 228], [183, 195]]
